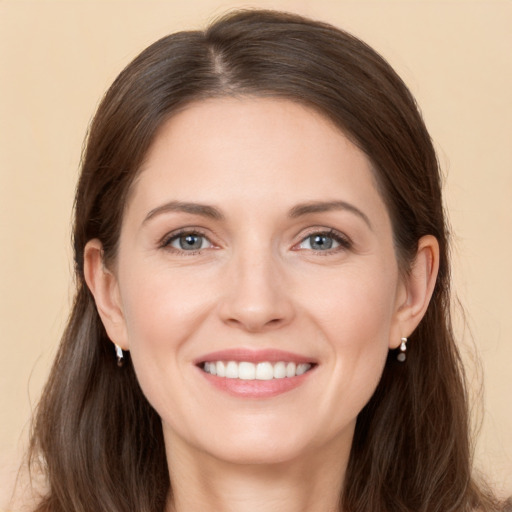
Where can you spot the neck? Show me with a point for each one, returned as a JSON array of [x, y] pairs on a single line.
[[311, 484]]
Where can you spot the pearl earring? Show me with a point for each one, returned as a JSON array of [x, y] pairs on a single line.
[[120, 355], [403, 347]]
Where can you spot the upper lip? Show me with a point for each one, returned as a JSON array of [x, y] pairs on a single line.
[[254, 356]]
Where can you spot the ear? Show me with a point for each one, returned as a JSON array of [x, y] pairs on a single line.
[[416, 290], [103, 285]]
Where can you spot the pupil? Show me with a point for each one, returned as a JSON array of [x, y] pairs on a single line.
[[321, 242], [190, 242]]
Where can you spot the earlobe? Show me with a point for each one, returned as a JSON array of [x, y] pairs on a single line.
[[103, 285], [419, 285]]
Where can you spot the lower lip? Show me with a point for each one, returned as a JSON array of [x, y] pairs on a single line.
[[256, 388]]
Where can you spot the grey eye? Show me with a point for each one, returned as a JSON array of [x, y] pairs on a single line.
[[190, 242], [319, 242]]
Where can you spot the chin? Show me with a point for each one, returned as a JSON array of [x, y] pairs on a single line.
[[258, 452], [244, 443], [267, 442]]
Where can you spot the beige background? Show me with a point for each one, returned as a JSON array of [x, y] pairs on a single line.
[[57, 59]]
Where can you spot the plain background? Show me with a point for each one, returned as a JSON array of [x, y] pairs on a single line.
[[58, 57]]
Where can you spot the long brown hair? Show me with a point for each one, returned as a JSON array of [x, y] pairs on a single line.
[[99, 440]]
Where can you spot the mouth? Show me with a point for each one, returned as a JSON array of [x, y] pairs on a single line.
[[247, 370], [255, 373]]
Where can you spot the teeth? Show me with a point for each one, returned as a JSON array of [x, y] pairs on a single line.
[[232, 370], [264, 371], [290, 370], [246, 371], [260, 371], [220, 368], [302, 368], [210, 368], [279, 371]]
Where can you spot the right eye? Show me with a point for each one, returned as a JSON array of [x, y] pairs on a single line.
[[188, 242], [320, 242]]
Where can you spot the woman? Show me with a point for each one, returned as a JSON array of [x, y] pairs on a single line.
[[262, 310]]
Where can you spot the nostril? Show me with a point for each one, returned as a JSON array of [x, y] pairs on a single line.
[[275, 321]]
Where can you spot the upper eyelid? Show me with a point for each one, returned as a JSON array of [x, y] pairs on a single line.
[[320, 230], [326, 231], [172, 235]]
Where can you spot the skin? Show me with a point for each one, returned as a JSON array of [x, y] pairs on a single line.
[[258, 282]]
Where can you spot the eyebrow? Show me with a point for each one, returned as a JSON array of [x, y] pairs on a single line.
[[203, 210], [300, 210], [327, 206]]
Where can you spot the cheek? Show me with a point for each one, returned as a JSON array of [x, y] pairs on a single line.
[[356, 319], [165, 312], [160, 316], [356, 308], [160, 305]]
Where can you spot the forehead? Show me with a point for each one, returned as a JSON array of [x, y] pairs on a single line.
[[254, 148]]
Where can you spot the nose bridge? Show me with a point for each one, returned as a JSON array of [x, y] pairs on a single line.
[[256, 297]]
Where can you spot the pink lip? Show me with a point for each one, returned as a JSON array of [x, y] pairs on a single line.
[[254, 356], [255, 388]]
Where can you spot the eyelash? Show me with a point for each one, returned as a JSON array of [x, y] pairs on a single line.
[[344, 242], [175, 235]]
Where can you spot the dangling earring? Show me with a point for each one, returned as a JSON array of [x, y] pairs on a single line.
[[120, 355], [403, 347]]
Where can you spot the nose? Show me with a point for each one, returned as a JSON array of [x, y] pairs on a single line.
[[256, 297]]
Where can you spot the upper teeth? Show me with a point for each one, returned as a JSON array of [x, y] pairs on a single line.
[[259, 371]]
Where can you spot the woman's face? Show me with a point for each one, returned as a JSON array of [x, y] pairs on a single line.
[[255, 243]]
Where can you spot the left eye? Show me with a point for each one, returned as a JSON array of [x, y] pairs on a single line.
[[189, 242], [320, 242]]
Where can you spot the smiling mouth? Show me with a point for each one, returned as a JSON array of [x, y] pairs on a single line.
[[265, 370]]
